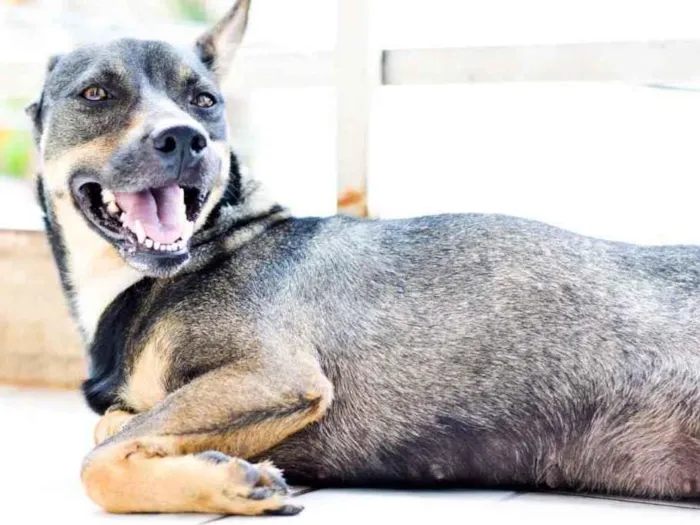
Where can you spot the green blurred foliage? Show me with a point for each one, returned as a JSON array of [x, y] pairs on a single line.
[[15, 153], [192, 10]]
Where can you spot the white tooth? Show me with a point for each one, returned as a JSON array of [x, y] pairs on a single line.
[[156, 245], [112, 208], [122, 217], [137, 228], [107, 196], [181, 245], [148, 242]]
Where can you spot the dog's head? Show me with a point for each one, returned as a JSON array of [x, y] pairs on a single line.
[[133, 141]]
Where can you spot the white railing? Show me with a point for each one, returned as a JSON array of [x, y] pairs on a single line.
[[355, 70]]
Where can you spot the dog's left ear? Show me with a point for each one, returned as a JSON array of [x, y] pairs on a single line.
[[217, 47]]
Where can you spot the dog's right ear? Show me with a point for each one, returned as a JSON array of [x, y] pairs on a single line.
[[217, 47], [33, 110]]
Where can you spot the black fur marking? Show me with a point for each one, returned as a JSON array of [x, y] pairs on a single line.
[[108, 349], [285, 510], [233, 194], [58, 248]]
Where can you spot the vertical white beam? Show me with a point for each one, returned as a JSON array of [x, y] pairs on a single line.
[[357, 73]]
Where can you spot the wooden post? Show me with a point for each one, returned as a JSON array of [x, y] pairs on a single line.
[[357, 73]]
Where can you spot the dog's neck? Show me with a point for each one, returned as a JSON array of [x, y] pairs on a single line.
[[93, 274]]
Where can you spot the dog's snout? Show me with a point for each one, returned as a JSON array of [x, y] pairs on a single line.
[[183, 143]]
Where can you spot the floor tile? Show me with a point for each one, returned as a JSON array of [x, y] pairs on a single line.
[[390, 506], [553, 508], [45, 436]]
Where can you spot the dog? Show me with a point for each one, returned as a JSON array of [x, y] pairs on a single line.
[[228, 339]]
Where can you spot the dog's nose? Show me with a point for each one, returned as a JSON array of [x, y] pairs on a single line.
[[182, 143]]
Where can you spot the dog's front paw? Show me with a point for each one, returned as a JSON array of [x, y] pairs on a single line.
[[253, 489]]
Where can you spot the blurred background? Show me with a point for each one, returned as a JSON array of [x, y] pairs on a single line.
[[580, 113]]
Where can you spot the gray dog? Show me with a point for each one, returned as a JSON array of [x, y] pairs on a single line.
[[457, 349]]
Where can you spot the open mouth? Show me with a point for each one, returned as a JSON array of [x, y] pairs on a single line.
[[156, 220]]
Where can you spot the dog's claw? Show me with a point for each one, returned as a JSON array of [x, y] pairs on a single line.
[[285, 510], [279, 483]]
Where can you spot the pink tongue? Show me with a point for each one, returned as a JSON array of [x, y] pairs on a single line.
[[161, 211]]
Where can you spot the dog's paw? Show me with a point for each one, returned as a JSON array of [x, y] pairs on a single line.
[[253, 489], [110, 424]]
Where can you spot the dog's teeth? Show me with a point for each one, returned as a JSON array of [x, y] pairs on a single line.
[[137, 228], [148, 243], [180, 245], [107, 196], [156, 245], [122, 217], [112, 208]]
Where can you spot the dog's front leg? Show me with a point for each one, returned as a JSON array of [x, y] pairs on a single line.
[[177, 457]]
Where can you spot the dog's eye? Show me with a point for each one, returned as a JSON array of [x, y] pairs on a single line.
[[95, 94], [204, 100]]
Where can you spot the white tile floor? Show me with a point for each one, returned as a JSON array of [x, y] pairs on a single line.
[[44, 436]]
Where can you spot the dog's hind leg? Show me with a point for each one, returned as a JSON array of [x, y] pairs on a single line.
[[177, 457], [647, 454]]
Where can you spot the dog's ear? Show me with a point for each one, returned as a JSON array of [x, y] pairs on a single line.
[[33, 110], [217, 47], [52, 63]]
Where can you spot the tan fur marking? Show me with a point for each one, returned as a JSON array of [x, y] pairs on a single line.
[[94, 153], [256, 439], [145, 385], [97, 271]]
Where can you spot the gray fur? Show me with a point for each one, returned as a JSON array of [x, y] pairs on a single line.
[[484, 348]]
